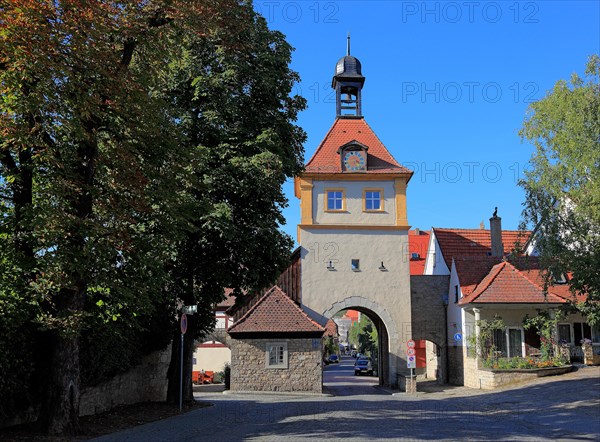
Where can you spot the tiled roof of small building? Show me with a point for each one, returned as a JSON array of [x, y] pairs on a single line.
[[475, 242], [505, 284], [326, 159], [275, 312], [472, 270], [516, 282]]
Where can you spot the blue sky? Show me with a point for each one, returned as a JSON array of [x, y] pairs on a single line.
[[447, 88]]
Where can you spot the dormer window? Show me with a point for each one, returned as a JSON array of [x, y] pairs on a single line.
[[559, 278], [354, 157]]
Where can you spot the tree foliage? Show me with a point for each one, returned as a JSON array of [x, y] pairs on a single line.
[[233, 107], [142, 149], [563, 186], [363, 334]]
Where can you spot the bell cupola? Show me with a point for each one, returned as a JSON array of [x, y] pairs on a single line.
[[348, 82]]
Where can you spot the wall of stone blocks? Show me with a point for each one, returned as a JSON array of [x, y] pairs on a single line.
[[456, 365], [147, 382], [249, 372], [428, 316]]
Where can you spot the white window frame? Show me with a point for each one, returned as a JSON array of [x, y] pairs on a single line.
[[372, 199], [522, 333], [571, 331], [341, 199], [276, 345]]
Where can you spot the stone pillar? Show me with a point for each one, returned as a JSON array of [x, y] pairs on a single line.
[[588, 354], [477, 333]]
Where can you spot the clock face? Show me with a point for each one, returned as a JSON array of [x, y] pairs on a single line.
[[355, 161]]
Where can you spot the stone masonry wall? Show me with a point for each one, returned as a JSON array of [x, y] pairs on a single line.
[[249, 372], [485, 379], [144, 383], [456, 365]]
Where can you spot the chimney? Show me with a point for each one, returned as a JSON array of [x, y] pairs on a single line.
[[417, 231], [496, 235]]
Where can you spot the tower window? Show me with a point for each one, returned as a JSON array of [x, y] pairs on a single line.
[[373, 200], [335, 200]]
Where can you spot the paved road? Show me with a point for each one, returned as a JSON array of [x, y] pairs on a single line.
[[564, 407], [339, 380]]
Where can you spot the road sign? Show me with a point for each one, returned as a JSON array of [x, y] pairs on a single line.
[[183, 323], [410, 343], [411, 362], [411, 352], [457, 336]]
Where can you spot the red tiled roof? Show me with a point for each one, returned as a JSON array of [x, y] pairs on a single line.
[[474, 242], [506, 284], [331, 329], [275, 312], [472, 270], [417, 244], [228, 301], [326, 159], [352, 315]]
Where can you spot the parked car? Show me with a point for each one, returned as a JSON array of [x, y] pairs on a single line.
[[334, 359], [363, 366]]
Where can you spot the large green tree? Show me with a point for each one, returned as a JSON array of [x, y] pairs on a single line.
[[89, 168], [563, 185], [231, 99]]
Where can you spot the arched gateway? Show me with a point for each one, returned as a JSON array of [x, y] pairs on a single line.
[[354, 229]]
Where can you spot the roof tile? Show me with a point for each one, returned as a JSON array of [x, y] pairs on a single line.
[[326, 158], [517, 281], [475, 242], [275, 312]]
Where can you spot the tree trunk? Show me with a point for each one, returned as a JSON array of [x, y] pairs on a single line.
[[174, 371], [60, 410]]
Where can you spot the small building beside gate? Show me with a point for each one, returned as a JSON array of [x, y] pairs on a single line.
[[278, 347]]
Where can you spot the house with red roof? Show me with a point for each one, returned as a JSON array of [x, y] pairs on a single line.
[[489, 276], [277, 346], [418, 243], [212, 353]]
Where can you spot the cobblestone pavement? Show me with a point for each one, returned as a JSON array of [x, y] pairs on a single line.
[[564, 407]]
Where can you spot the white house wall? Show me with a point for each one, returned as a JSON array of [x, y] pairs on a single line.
[[434, 263], [455, 312], [211, 358]]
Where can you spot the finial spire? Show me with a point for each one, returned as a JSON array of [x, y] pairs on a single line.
[[348, 45]]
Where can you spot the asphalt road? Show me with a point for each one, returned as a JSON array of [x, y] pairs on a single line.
[[559, 408], [339, 380]]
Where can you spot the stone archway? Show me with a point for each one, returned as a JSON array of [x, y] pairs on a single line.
[[387, 333]]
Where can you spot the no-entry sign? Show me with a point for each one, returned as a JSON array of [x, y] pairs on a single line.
[[183, 323]]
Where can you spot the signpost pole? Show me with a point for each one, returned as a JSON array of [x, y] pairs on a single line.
[[183, 330], [181, 375]]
